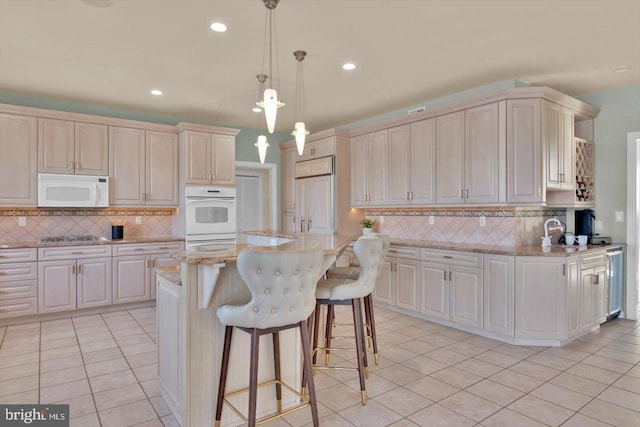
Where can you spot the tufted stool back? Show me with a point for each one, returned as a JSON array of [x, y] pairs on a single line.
[[386, 242], [369, 253], [282, 286]]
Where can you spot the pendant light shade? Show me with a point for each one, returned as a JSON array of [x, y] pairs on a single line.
[[262, 142], [270, 106], [262, 145], [270, 102], [300, 131]]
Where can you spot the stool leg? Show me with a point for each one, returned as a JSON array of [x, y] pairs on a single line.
[[309, 326], [228, 332], [253, 377], [363, 334], [367, 323], [357, 326], [306, 351], [372, 325], [327, 333], [276, 362], [316, 326]]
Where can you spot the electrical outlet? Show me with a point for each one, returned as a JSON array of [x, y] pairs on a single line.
[[432, 220], [381, 220], [22, 221], [619, 216], [138, 220], [483, 221], [598, 226]]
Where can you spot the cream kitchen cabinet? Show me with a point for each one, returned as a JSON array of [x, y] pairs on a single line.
[[69, 147], [452, 286], [18, 160], [470, 151], [289, 222], [133, 264], [71, 277], [209, 158], [592, 307], [499, 290], [369, 169], [557, 133], [18, 282], [287, 175], [315, 149], [143, 167], [314, 206], [398, 283]]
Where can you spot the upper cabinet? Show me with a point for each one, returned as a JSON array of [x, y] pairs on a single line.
[[422, 163], [209, 158], [69, 147], [557, 127], [320, 148], [450, 158], [143, 167], [18, 160]]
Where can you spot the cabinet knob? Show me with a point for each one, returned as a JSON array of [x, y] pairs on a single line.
[[462, 193]]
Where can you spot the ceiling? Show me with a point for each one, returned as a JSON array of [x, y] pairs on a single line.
[[113, 52]]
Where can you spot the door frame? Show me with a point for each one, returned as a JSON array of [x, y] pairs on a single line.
[[272, 170], [632, 305]]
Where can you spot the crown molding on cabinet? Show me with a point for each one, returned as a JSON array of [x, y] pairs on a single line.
[[317, 136], [195, 127]]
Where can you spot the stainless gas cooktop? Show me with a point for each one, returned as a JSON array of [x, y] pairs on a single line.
[[71, 239]]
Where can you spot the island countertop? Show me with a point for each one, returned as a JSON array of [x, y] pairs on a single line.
[[215, 254]]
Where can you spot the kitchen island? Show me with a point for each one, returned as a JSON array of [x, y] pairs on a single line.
[[190, 336]]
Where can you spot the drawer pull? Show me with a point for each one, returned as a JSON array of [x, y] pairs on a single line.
[[139, 249], [77, 253], [447, 256], [165, 247]]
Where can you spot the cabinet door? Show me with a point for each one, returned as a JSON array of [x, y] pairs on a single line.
[[319, 201], [359, 149], [162, 169], [301, 205], [55, 146], [224, 159], [407, 278], [423, 162], [169, 336], [482, 154], [399, 165], [160, 260], [568, 147], [197, 158], [600, 307], [91, 149], [287, 176], [450, 158], [131, 279], [18, 160], [466, 296], [573, 297], [56, 286], [524, 152], [434, 292], [289, 222], [586, 309], [377, 167], [94, 282], [383, 291], [553, 136], [499, 291], [541, 297], [126, 166]]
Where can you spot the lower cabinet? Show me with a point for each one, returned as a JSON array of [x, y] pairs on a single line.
[[131, 279], [398, 283], [499, 290], [434, 289], [592, 296], [465, 296], [93, 282], [18, 282]]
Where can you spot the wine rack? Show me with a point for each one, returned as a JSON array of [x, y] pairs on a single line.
[[585, 155]]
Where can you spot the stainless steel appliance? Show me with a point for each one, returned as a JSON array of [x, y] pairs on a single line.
[[73, 191], [210, 215], [614, 282]]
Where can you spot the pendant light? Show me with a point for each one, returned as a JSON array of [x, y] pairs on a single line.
[[300, 131], [262, 142], [269, 102]]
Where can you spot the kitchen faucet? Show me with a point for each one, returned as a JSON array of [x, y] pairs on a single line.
[[546, 240]]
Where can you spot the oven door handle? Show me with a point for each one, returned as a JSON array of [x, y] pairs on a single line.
[[227, 201]]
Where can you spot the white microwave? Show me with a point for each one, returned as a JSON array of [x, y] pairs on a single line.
[[73, 191]]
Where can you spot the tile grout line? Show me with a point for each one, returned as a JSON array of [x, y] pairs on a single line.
[[84, 365]]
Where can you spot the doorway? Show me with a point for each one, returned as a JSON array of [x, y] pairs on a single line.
[[632, 306], [257, 196]]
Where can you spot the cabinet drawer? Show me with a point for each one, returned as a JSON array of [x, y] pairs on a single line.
[[73, 252], [146, 248], [595, 259], [18, 271], [18, 255], [18, 307], [404, 252], [316, 167], [15, 290], [465, 259]]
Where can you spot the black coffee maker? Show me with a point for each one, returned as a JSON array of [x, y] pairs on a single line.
[[585, 221]]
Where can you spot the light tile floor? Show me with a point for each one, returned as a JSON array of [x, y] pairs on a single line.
[[105, 367]]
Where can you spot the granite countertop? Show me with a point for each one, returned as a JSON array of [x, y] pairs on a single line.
[[35, 244], [221, 253], [170, 272]]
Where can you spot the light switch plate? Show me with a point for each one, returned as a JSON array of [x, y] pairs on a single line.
[[432, 220], [381, 220], [138, 220], [598, 226], [619, 216], [483, 221], [22, 221]]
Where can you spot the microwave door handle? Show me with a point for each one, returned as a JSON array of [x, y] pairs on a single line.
[[96, 193]]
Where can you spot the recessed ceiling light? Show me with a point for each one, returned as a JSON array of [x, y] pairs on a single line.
[[218, 27], [349, 66], [256, 109], [156, 92], [622, 69]]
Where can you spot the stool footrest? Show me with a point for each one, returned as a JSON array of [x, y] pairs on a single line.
[[280, 413]]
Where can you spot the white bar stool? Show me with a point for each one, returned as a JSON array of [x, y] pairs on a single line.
[[283, 296]]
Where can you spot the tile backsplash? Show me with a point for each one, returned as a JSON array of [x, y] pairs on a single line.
[[42, 223], [503, 226]]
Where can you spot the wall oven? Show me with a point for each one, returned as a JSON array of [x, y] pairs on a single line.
[[210, 215]]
